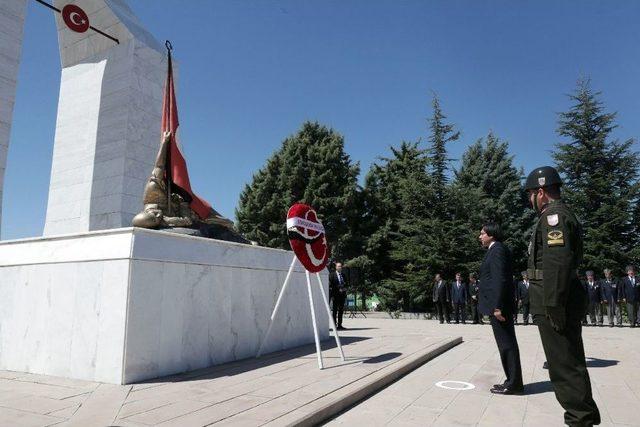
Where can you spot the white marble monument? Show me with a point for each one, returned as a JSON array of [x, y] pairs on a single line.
[[11, 29], [108, 124], [122, 305], [130, 304]]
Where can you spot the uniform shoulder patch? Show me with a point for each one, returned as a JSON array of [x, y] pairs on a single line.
[[555, 238], [553, 220]]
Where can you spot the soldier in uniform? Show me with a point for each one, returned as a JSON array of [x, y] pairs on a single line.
[[558, 299], [474, 290]]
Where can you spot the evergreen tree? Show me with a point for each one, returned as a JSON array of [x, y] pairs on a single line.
[[395, 193], [600, 179], [310, 167], [441, 134], [488, 187]]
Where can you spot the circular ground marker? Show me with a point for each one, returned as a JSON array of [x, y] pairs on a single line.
[[455, 385]]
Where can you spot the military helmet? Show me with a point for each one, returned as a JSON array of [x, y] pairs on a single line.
[[544, 176]]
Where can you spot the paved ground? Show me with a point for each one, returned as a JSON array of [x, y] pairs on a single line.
[[258, 392], [276, 389], [414, 400]]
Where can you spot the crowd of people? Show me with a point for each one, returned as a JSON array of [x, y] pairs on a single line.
[[618, 298]]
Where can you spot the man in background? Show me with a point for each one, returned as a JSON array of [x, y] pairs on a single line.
[[611, 297], [338, 292], [474, 290], [441, 298], [594, 309], [459, 298], [631, 295], [523, 297]]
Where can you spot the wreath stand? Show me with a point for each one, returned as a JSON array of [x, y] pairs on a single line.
[[313, 314]]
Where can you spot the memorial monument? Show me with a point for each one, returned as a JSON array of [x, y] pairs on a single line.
[[94, 298]]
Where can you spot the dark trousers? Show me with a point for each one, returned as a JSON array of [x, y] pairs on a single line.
[[476, 317], [632, 312], [568, 371], [525, 313], [460, 312], [505, 335], [442, 307], [594, 311], [338, 307]]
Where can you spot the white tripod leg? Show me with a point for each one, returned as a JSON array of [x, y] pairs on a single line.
[[313, 320], [331, 322], [275, 309]]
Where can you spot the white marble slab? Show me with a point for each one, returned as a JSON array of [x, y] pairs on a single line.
[[108, 124], [12, 13], [125, 305]]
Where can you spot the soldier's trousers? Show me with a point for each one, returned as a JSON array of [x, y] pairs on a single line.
[[476, 317], [594, 311], [614, 310], [568, 371], [632, 312]]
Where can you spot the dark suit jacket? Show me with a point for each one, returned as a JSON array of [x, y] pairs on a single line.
[[459, 296], [593, 293], [523, 292], [610, 291], [441, 293], [334, 283], [497, 290], [630, 292]]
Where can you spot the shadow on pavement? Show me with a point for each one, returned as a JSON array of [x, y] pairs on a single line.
[[382, 358], [538, 388], [358, 329], [244, 365]]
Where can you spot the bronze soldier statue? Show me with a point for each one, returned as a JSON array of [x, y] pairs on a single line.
[[164, 210], [558, 300]]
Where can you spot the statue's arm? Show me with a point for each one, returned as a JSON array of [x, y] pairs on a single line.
[[161, 159]]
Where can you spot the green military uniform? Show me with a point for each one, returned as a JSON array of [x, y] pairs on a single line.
[[558, 305]]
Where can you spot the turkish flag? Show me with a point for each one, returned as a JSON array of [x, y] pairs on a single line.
[[177, 166]]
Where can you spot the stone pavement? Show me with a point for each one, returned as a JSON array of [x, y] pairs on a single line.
[[274, 388], [277, 389], [414, 400]]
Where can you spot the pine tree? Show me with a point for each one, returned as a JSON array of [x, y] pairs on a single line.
[[488, 187], [310, 167], [600, 179], [441, 134]]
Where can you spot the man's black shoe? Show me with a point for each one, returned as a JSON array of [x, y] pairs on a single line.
[[507, 391], [545, 365], [498, 386], [341, 328]]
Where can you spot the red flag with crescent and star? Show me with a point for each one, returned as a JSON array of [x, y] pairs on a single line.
[[177, 166]]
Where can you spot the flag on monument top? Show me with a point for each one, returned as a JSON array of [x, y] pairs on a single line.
[[177, 166]]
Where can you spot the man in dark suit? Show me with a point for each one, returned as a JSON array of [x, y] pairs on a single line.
[[338, 292], [459, 298], [611, 297], [441, 298], [474, 290], [523, 297], [496, 300], [594, 308], [631, 294]]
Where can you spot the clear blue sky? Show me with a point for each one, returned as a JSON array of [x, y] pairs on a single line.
[[252, 71]]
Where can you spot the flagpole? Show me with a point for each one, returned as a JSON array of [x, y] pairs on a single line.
[[169, 47]]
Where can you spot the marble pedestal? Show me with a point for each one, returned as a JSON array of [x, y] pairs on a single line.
[[130, 304]]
